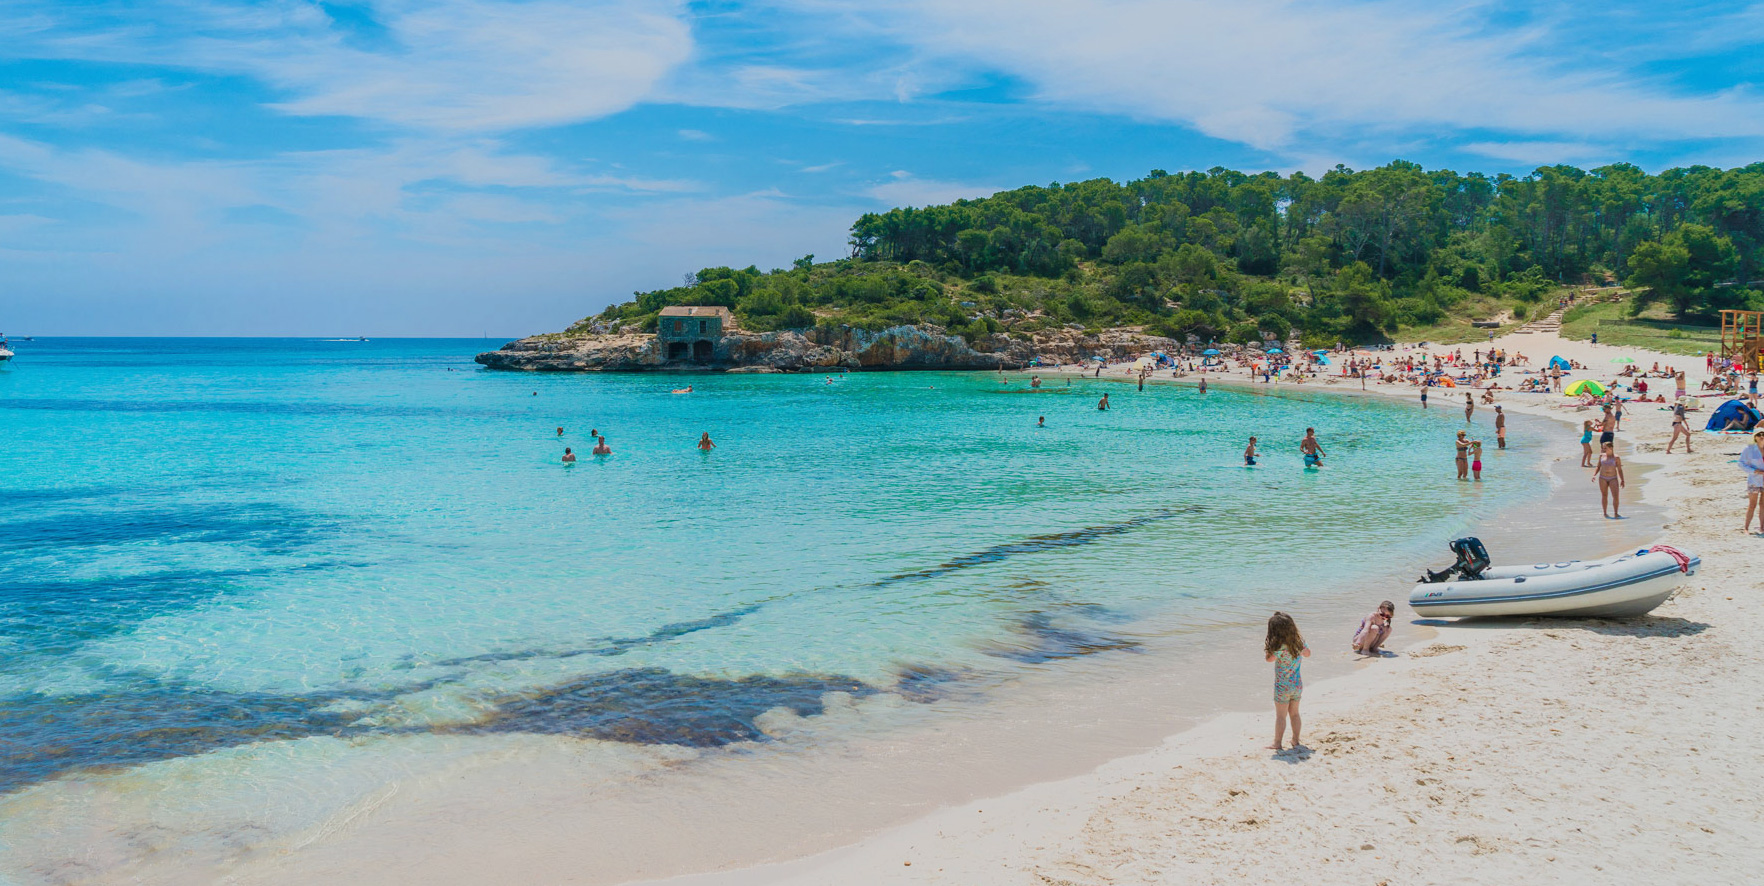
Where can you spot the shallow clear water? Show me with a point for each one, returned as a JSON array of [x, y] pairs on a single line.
[[213, 543]]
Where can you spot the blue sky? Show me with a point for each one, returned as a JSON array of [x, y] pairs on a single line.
[[463, 167]]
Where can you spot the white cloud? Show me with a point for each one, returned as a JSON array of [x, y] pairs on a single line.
[[1275, 74], [1542, 152], [479, 65], [908, 190]]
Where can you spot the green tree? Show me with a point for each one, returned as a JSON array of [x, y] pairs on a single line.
[[1683, 269]]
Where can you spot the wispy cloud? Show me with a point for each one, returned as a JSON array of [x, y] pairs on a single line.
[[1275, 73], [904, 189], [475, 65], [1538, 153]]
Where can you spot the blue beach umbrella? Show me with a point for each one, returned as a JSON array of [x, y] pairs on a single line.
[[1099, 359], [1210, 352], [1273, 351]]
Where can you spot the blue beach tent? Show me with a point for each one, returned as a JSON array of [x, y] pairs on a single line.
[[1559, 363], [1323, 360], [1730, 410]]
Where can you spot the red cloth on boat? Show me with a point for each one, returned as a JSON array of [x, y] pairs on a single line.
[[1676, 554]]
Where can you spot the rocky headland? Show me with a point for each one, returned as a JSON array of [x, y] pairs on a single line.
[[899, 347]]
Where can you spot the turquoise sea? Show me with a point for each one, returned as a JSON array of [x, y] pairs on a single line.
[[209, 544]]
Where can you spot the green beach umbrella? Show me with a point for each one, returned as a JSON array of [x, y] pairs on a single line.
[[1585, 386], [1621, 360]]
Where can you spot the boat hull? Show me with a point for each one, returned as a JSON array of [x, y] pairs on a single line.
[[1618, 587]]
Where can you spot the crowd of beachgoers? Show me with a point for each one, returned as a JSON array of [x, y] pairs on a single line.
[[1492, 371], [1479, 757]]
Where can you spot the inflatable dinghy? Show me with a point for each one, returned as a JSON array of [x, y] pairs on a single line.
[[1625, 585]]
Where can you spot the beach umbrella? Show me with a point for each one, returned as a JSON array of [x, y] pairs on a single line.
[[1099, 359], [1621, 360], [1323, 360], [1585, 386], [1275, 351], [1211, 352]]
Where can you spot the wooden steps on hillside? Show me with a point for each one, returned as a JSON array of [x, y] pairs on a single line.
[[1552, 323]]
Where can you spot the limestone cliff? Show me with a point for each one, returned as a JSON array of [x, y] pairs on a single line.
[[899, 347]]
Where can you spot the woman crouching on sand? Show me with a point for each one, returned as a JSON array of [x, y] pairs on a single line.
[[1284, 647]]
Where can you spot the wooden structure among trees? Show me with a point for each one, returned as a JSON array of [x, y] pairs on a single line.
[[1742, 334]]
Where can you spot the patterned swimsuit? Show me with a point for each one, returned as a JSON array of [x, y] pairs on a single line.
[[1288, 684]]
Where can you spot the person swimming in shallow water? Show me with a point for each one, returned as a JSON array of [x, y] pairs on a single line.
[[1249, 454], [600, 447], [705, 444], [1103, 404], [569, 458]]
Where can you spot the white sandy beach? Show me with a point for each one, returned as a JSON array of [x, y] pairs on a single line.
[[1533, 751]]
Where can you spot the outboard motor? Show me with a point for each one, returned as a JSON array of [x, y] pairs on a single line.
[[1472, 560]]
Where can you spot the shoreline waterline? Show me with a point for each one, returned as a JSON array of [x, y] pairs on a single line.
[[1140, 816], [527, 765], [738, 823]]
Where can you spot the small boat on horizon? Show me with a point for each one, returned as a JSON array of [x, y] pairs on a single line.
[[1625, 585]]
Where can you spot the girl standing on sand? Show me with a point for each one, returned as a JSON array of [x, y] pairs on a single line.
[[1284, 647], [1586, 432], [1609, 476]]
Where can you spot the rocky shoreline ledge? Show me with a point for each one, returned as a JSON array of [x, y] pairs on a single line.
[[898, 347]]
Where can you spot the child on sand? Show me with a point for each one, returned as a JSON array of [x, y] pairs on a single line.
[[1374, 630], [1284, 647]]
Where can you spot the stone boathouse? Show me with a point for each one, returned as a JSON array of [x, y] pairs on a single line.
[[691, 333]]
